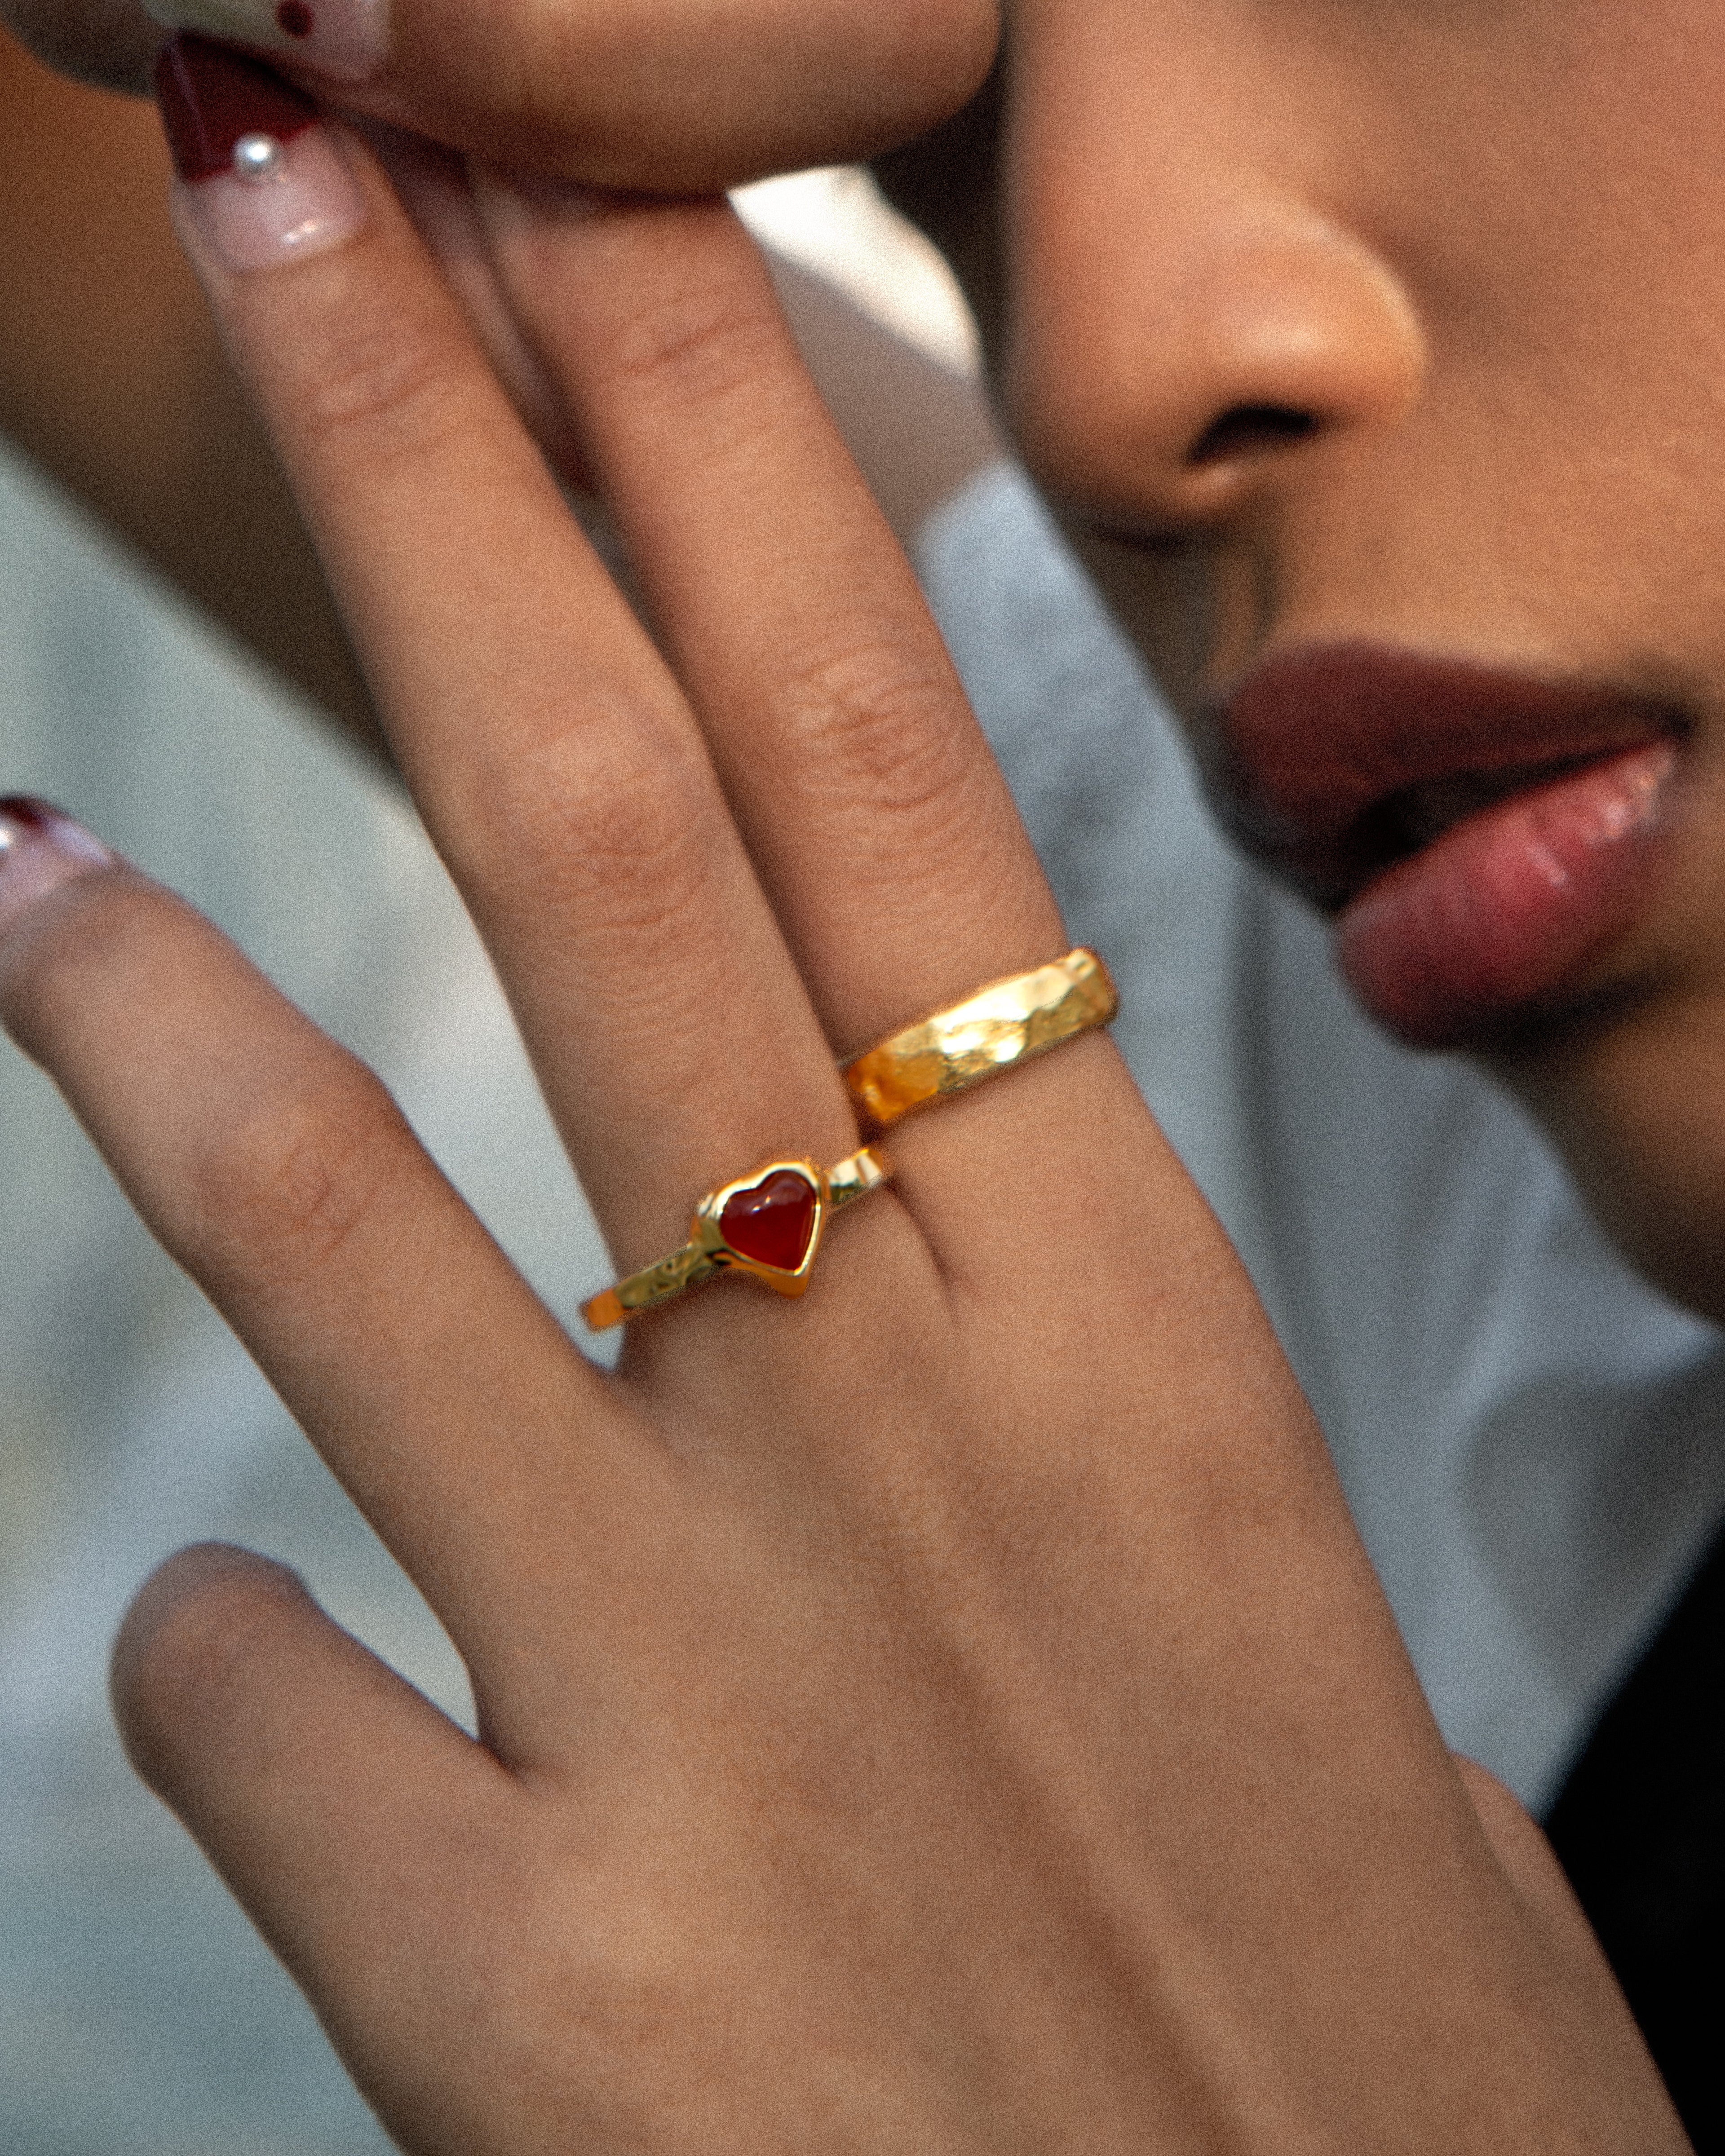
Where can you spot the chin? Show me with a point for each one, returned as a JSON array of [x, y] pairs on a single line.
[[1637, 1107]]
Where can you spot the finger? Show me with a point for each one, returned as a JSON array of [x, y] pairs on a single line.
[[1531, 1868], [875, 814], [550, 752], [679, 99], [354, 1824], [1538, 1882], [277, 1170], [683, 97]]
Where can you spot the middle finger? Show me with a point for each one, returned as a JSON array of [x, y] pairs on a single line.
[[877, 818]]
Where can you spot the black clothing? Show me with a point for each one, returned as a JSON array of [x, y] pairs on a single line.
[[1639, 1828]]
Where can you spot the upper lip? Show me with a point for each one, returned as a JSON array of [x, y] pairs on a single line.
[[1331, 762]]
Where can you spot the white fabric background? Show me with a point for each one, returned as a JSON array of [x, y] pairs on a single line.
[[139, 2015]]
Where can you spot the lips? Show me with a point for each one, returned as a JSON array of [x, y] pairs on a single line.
[[1481, 837]]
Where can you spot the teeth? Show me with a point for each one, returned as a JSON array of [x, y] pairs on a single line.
[[1425, 812]]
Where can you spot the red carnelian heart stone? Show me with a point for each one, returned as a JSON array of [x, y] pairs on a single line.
[[771, 1221]]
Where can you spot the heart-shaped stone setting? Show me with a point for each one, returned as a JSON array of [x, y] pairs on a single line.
[[772, 1222]]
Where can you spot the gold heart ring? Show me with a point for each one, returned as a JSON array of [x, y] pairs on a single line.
[[768, 1224]]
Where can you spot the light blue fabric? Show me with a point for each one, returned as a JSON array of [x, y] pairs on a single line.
[[1530, 1438]]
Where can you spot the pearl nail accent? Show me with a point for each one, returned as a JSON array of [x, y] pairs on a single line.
[[257, 157], [261, 181], [302, 201]]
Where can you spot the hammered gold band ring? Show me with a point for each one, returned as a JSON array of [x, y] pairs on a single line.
[[769, 1224], [1006, 1023]]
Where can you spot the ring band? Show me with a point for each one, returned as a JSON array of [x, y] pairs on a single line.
[[1006, 1023], [768, 1224]]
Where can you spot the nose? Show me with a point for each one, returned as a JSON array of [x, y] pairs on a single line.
[[1187, 332]]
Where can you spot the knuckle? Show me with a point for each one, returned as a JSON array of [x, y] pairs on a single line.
[[390, 388], [191, 1647], [694, 345], [282, 1191], [621, 827], [877, 730], [629, 1982]]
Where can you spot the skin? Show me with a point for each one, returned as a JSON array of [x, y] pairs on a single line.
[[1022, 1757], [1208, 207], [682, 95], [1017, 1754], [1509, 364], [113, 380], [1511, 357]]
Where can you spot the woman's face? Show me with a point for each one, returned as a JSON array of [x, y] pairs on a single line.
[[1374, 353]]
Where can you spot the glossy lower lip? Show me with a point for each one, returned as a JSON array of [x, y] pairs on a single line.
[[1490, 925], [1326, 758]]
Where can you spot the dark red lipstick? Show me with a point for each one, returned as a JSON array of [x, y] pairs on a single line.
[[1480, 836]]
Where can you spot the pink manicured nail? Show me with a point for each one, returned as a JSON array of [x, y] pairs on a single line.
[[39, 850], [262, 183], [346, 39]]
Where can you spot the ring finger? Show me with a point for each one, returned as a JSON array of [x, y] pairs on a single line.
[[876, 816]]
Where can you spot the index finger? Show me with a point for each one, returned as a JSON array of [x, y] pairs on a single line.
[[552, 753]]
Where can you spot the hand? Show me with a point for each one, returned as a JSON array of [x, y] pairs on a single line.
[[681, 98], [950, 1711]]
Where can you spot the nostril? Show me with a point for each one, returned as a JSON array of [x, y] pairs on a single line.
[[1248, 429]]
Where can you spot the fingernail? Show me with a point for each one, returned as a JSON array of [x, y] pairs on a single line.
[[39, 850], [262, 182], [346, 39], [178, 1580]]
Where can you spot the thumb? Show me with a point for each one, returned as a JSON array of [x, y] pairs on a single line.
[[1545, 1894], [352, 1820]]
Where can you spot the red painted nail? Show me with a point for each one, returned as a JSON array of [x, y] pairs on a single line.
[[40, 849], [211, 97], [262, 183]]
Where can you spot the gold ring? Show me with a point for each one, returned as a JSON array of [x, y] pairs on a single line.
[[1004, 1023], [768, 1224]]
